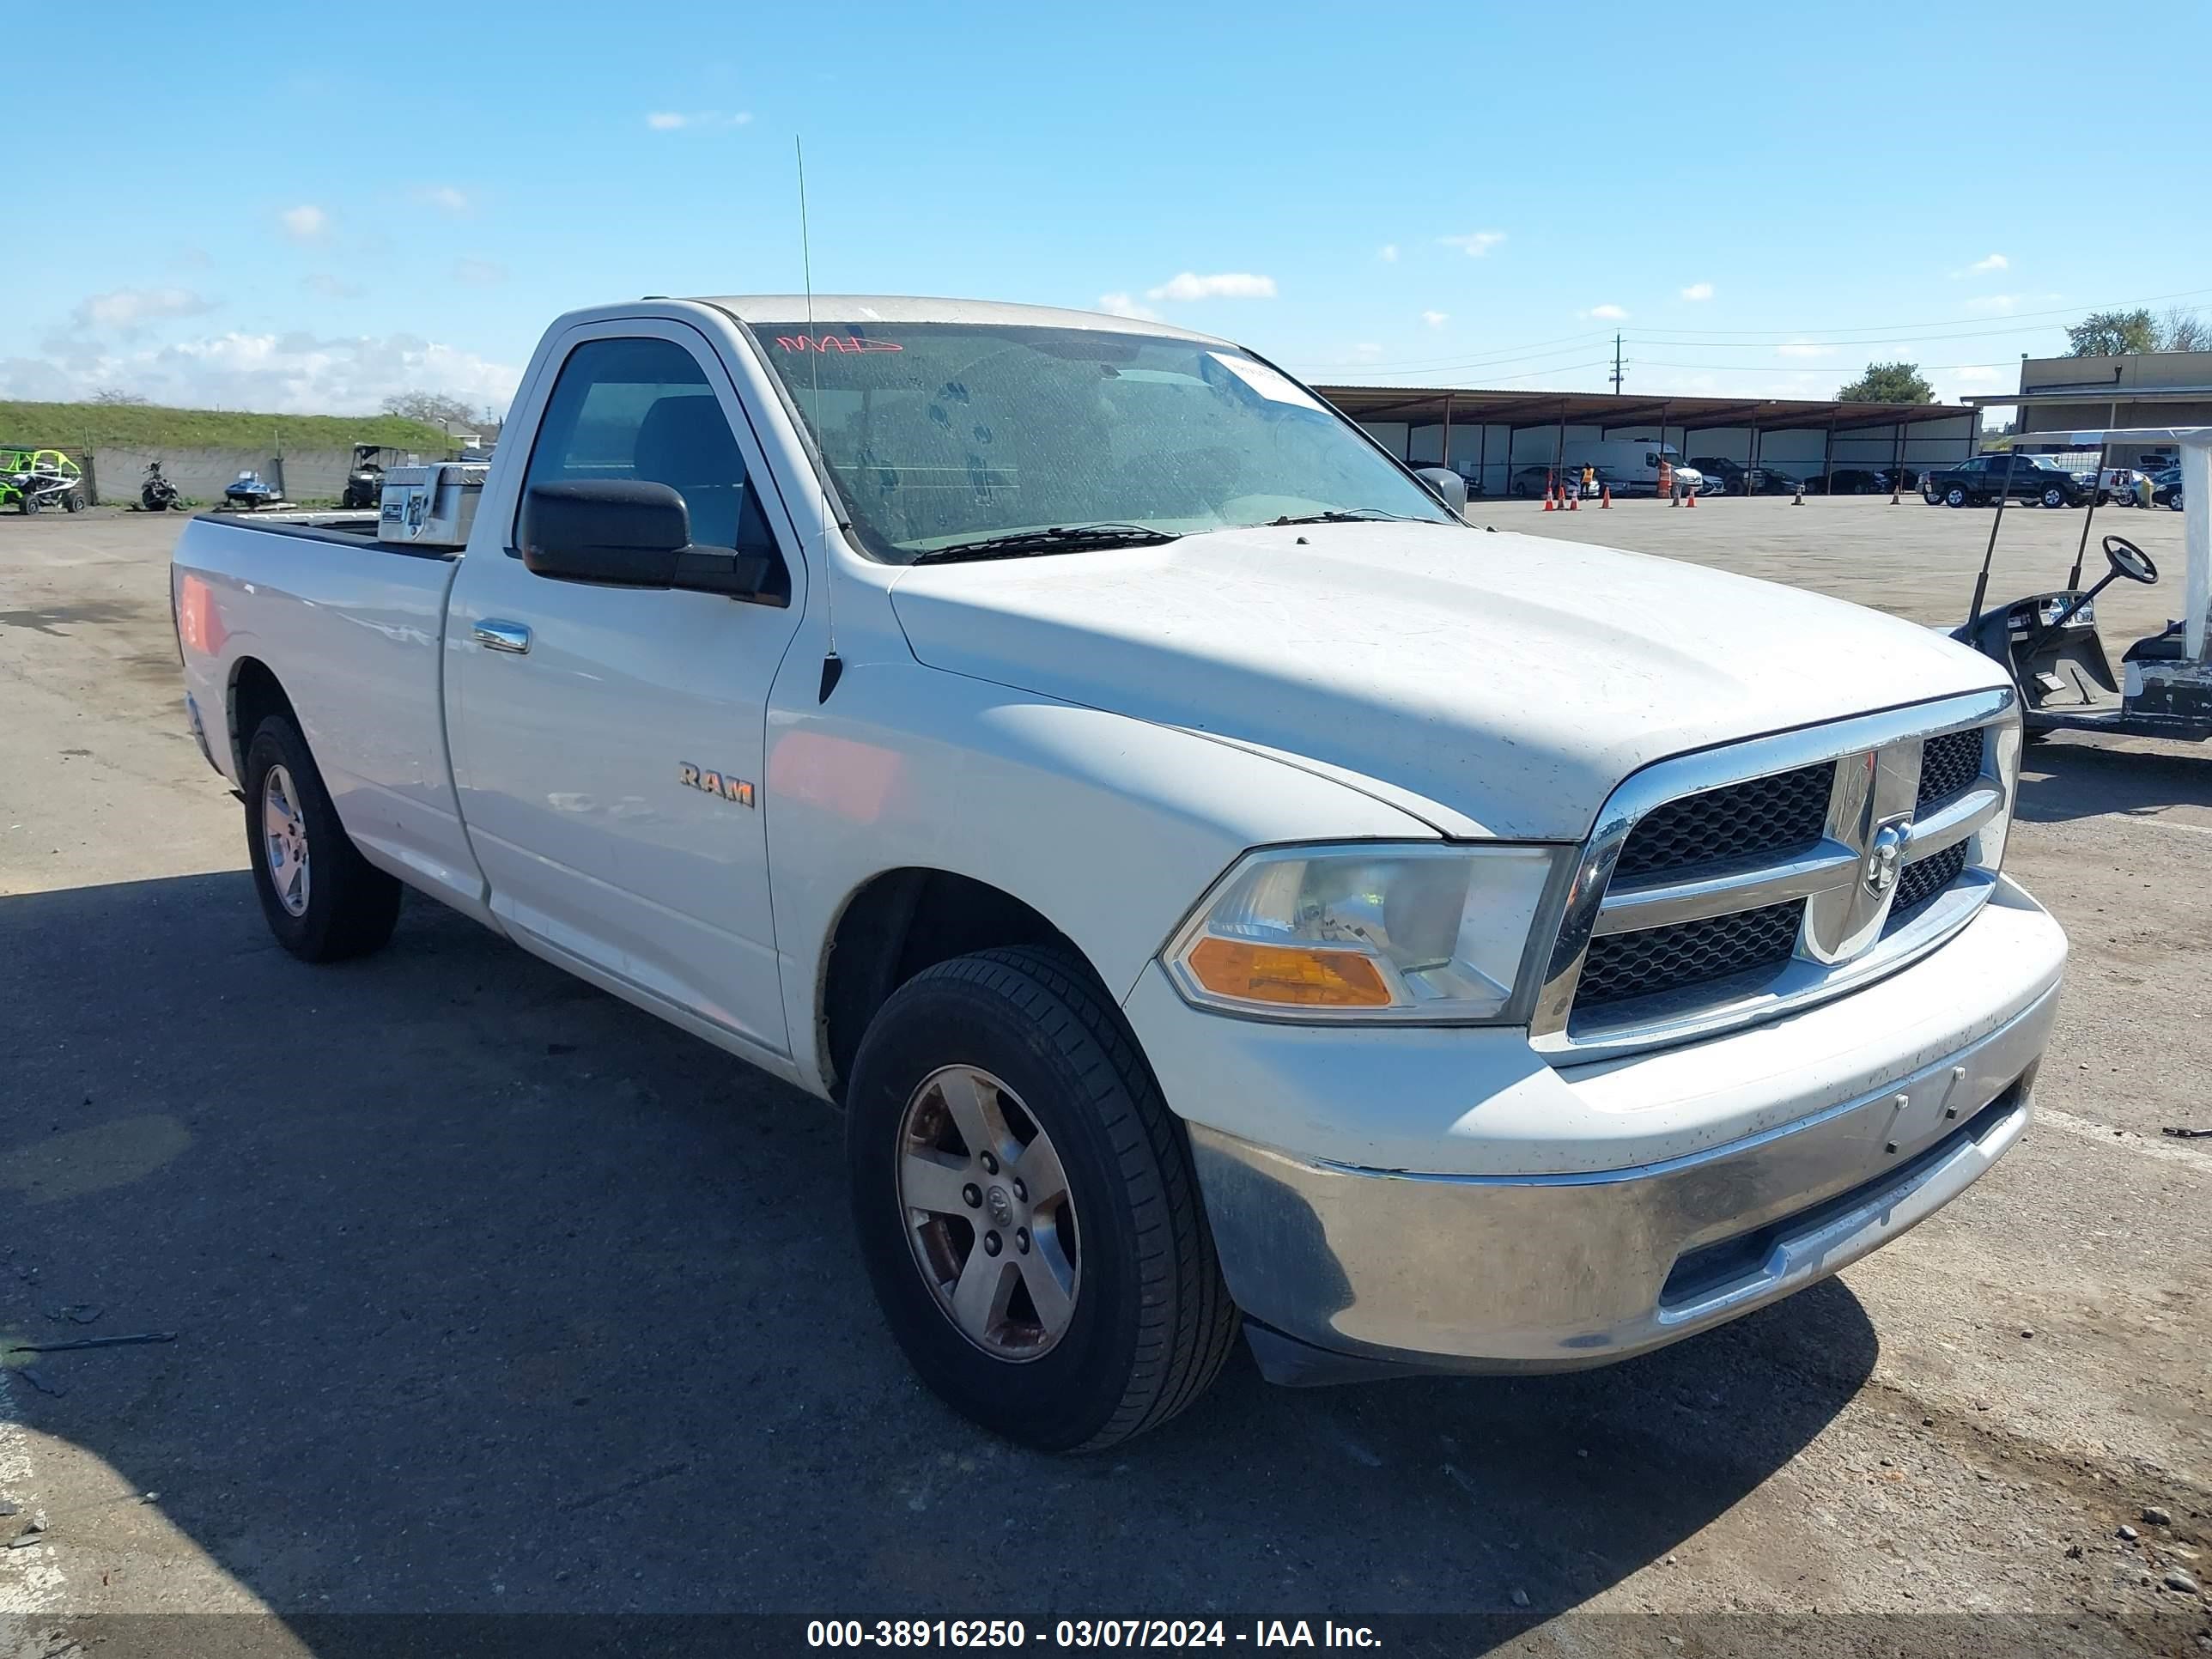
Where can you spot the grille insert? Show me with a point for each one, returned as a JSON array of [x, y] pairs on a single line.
[[1948, 765], [1655, 959], [1774, 815], [1921, 882]]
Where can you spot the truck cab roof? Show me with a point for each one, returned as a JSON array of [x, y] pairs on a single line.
[[908, 308]]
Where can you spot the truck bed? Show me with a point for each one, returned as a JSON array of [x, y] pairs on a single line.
[[347, 528], [352, 629]]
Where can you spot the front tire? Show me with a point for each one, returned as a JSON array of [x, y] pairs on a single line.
[[999, 1100], [1954, 496], [323, 900]]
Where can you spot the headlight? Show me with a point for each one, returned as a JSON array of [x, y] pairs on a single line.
[[1428, 934]]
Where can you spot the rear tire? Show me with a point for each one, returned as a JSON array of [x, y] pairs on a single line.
[[2054, 496], [323, 900], [1146, 1322]]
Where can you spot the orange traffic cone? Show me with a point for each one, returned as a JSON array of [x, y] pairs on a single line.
[[1692, 502], [1605, 496], [1574, 494], [1800, 501], [1550, 506]]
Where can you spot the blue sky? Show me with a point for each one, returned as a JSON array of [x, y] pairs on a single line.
[[1760, 198]]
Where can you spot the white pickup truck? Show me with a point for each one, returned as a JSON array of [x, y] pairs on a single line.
[[1213, 880]]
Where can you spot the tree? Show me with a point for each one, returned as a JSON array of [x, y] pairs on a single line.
[[1888, 383], [2184, 330], [2112, 334], [113, 395], [432, 409]]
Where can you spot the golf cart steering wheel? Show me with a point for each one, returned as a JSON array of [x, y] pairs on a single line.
[[2129, 561]]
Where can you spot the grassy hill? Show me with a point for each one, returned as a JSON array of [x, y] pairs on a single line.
[[88, 426]]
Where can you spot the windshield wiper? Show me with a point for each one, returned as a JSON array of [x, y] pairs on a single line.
[[1060, 539], [1364, 515]]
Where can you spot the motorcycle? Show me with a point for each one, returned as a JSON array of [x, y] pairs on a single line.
[[157, 494]]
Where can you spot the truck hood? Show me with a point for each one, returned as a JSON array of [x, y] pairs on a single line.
[[1493, 683]]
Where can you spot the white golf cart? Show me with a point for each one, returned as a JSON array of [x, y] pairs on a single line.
[[2049, 642]]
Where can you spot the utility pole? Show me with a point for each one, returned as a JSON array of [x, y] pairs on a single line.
[[1616, 365]]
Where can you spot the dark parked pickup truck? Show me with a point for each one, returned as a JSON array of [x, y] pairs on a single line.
[[2018, 477]]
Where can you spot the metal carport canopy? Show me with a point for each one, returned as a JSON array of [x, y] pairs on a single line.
[[1472, 406]]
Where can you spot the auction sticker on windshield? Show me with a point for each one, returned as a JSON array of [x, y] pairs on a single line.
[[1274, 387]]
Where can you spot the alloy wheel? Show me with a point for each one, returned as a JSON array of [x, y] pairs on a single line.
[[284, 837], [988, 1213]]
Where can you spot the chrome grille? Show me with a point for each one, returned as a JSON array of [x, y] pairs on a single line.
[[1948, 765], [1759, 817], [1733, 884], [1660, 959], [1922, 881]]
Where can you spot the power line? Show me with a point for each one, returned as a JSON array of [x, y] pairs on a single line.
[[1502, 354], [1778, 368], [1863, 334], [1874, 328], [1669, 339], [1523, 374]]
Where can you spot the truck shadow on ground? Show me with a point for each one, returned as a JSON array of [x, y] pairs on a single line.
[[2068, 778], [494, 1294]]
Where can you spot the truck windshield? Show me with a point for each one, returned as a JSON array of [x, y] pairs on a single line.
[[945, 434]]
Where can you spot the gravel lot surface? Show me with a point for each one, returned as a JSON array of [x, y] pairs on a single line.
[[491, 1294]]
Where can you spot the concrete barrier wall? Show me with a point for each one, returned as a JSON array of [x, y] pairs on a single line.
[[306, 475]]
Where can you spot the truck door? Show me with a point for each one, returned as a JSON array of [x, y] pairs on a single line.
[[607, 741]]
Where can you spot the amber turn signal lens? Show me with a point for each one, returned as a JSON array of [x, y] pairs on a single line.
[[1269, 973]]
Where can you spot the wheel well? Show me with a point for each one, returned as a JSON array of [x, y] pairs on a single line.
[[900, 923], [255, 694]]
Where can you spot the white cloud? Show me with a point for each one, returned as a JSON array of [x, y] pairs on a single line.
[[1367, 351], [482, 273], [1999, 303], [1223, 285], [1996, 262], [1388, 253], [1803, 349], [1436, 319], [1124, 305], [288, 374], [305, 223], [329, 287], [1698, 291], [1978, 375], [449, 197], [132, 309], [669, 120], [1475, 244], [1607, 313]]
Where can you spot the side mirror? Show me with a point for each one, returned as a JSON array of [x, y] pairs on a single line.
[[1448, 484], [622, 533]]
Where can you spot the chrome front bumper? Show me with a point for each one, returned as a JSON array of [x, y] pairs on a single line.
[[1349, 1271]]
